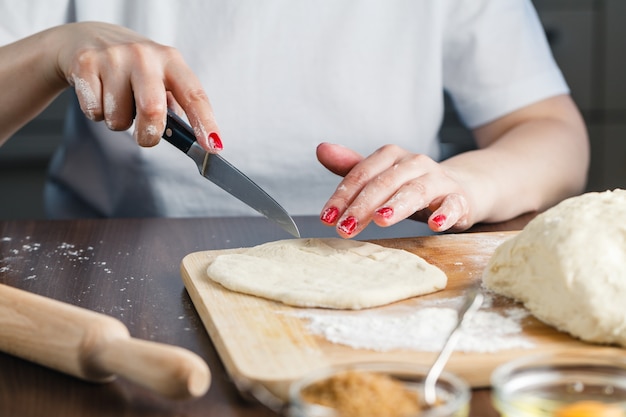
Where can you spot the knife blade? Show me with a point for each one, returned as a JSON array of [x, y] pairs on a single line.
[[223, 174]]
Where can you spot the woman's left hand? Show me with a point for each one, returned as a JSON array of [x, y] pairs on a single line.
[[391, 185]]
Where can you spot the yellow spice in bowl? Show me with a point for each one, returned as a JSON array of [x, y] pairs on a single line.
[[363, 394]]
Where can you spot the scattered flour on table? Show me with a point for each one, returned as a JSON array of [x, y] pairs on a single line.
[[24, 252], [423, 328]]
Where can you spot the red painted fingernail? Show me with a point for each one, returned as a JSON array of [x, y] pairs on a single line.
[[439, 219], [385, 212], [330, 215], [348, 225], [215, 142]]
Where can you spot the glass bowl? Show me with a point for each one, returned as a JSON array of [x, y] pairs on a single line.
[[453, 394], [561, 385]]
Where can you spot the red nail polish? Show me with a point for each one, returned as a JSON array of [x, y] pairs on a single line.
[[215, 142], [439, 219], [348, 225], [330, 215], [385, 212]]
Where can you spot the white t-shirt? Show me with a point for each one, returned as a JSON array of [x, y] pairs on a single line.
[[285, 75]]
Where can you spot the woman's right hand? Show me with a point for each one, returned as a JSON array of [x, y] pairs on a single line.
[[120, 76]]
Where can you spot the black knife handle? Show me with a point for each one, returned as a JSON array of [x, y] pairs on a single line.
[[178, 133]]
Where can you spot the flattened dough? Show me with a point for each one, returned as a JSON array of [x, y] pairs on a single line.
[[330, 273], [568, 267]]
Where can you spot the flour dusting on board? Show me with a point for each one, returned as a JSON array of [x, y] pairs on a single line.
[[423, 328]]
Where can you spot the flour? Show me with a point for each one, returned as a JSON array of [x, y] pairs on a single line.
[[110, 107], [88, 98], [423, 328], [14, 251]]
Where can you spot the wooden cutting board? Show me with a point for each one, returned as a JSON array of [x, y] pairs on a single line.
[[264, 345]]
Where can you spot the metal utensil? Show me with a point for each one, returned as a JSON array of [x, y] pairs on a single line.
[[472, 303], [216, 169]]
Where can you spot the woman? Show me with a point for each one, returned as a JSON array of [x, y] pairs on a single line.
[[283, 76]]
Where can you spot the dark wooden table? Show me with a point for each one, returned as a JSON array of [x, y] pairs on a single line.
[[129, 269]]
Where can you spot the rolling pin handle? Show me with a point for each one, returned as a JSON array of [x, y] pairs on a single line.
[[169, 370]]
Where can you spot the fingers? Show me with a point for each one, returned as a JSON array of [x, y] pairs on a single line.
[[173, 105], [364, 189], [452, 213], [392, 185], [150, 98], [336, 158], [89, 93], [118, 104], [121, 77], [189, 94]]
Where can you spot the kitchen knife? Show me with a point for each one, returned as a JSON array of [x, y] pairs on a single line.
[[216, 169]]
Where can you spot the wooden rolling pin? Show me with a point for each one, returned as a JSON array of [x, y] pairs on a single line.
[[93, 346]]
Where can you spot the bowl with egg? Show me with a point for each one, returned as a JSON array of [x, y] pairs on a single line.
[[561, 385]]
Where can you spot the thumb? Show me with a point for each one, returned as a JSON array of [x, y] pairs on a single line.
[[336, 158]]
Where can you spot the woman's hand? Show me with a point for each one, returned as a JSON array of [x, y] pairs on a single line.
[[388, 186], [120, 76], [526, 160]]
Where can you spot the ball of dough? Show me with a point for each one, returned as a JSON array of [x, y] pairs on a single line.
[[568, 267]]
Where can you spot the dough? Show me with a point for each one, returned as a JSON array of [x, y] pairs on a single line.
[[330, 273], [568, 267]]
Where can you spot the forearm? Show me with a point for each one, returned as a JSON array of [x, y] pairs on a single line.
[[533, 164], [28, 80]]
